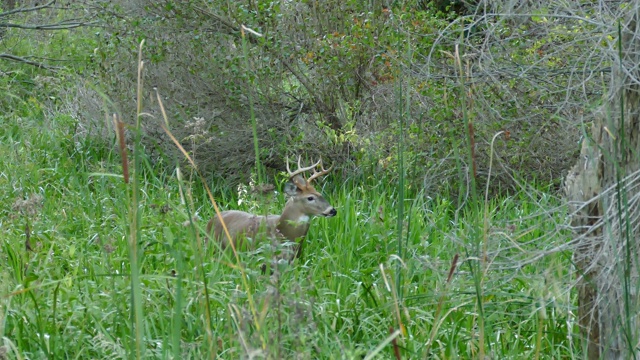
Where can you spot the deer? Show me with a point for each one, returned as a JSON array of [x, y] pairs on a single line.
[[304, 203]]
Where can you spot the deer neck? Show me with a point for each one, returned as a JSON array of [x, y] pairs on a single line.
[[293, 224]]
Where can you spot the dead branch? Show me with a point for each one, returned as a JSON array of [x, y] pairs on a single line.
[[28, 62], [28, 9], [59, 26]]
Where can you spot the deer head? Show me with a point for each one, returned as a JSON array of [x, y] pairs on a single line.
[[305, 201]]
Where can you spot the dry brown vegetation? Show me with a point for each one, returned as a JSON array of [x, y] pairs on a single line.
[[335, 81]]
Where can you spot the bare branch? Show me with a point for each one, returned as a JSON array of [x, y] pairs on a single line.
[[59, 26], [25, 9], [27, 61]]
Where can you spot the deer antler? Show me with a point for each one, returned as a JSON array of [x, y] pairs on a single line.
[[300, 168], [317, 174]]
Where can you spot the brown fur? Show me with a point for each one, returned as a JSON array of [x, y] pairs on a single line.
[[304, 203]]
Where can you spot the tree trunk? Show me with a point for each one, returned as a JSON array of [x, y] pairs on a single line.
[[603, 190]]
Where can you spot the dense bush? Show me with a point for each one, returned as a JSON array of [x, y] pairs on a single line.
[[335, 79]]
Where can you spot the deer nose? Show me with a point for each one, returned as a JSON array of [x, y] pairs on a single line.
[[331, 212]]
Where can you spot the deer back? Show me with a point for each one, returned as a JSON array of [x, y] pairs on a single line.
[[240, 225]]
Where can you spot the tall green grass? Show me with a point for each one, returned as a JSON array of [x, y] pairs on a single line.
[[121, 270], [71, 296]]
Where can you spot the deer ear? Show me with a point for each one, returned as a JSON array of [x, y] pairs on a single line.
[[295, 185], [290, 188]]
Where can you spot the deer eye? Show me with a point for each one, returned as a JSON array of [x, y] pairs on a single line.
[[311, 198]]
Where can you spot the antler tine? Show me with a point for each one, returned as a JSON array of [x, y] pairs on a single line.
[[300, 168], [317, 174]]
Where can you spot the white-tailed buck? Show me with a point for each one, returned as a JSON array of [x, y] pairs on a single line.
[[292, 225]]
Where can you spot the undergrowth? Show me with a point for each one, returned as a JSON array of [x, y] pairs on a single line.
[[66, 286]]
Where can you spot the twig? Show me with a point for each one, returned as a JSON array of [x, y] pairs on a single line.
[[59, 26], [28, 62], [25, 9]]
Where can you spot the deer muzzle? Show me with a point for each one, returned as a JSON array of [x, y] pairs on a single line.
[[331, 212]]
